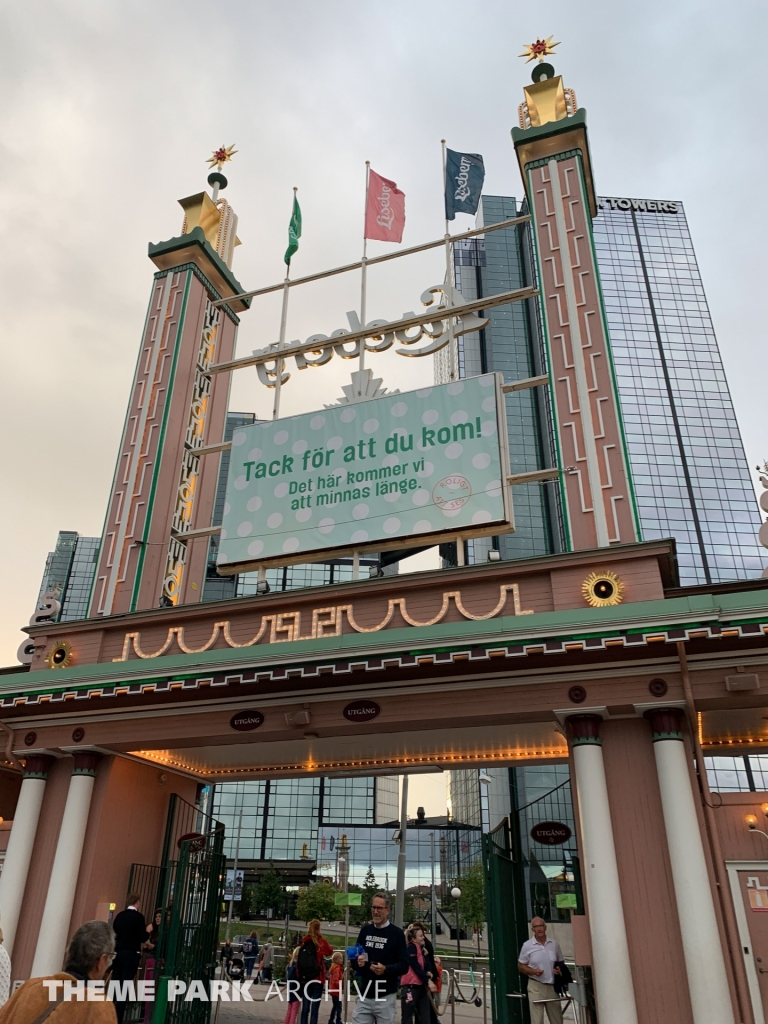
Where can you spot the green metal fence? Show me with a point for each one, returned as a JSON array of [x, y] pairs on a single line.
[[187, 887], [507, 921]]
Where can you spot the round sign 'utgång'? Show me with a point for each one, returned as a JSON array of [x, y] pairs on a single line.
[[244, 721], [550, 833], [362, 711]]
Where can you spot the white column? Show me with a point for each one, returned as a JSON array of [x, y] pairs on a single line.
[[54, 927], [19, 853], [702, 948], [610, 951]]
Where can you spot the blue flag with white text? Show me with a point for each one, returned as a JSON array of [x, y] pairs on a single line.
[[464, 177]]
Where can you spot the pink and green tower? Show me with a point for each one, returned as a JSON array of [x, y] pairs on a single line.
[[551, 143], [153, 552]]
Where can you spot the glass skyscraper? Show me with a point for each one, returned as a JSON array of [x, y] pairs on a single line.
[[69, 570], [689, 469], [511, 344], [688, 464]]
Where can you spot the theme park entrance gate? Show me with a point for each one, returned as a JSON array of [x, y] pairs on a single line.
[[187, 889]]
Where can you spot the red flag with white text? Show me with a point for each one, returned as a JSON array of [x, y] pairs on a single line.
[[384, 210]]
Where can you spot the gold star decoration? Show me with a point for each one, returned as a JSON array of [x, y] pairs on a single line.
[[221, 156], [539, 50]]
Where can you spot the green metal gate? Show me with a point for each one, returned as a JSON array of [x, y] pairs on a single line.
[[194, 889], [187, 888], [507, 921]]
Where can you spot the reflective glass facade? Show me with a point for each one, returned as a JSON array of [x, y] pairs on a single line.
[[689, 469], [70, 569], [688, 464], [738, 774], [511, 344], [281, 817], [374, 847]]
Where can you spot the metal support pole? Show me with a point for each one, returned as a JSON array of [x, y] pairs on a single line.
[[234, 874], [355, 565], [400, 886], [433, 897], [452, 344], [458, 876], [279, 361], [364, 269]]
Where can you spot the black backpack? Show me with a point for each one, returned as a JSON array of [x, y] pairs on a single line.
[[307, 966], [248, 947]]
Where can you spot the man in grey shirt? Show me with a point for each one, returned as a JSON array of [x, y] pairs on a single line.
[[537, 960]]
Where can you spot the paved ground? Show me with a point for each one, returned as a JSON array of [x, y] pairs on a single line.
[[273, 1009]]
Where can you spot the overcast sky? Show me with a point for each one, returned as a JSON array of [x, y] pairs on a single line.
[[109, 110]]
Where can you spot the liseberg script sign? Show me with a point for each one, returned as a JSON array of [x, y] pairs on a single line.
[[391, 472]]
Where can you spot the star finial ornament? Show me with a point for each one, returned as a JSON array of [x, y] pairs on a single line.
[[539, 50], [221, 156]]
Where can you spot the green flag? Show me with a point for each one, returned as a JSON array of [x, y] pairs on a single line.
[[294, 231]]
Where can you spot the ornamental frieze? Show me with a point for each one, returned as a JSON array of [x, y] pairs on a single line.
[[283, 627]]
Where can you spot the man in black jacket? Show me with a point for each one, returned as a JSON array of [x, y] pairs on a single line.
[[131, 932], [380, 966]]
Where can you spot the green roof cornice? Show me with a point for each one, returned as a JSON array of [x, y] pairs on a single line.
[[196, 237], [692, 612]]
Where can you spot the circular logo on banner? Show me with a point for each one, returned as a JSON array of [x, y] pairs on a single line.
[[196, 841], [244, 721], [550, 833], [452, 492], [362, 710]]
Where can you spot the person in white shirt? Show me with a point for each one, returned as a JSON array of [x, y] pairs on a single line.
[[537, 960]]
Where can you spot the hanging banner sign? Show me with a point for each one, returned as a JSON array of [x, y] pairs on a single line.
[[233, 887], [386, 473]]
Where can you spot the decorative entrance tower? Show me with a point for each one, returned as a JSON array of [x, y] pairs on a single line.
[[553, 152], [150, 552]]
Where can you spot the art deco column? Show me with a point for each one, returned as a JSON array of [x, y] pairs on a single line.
[[54, 926], [610, 951], [22, 839], [702, 948]]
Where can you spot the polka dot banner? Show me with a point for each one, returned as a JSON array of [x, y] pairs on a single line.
[[368, 475]]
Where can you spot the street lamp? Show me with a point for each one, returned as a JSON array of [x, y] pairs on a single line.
[[751, 821], [455, 893]]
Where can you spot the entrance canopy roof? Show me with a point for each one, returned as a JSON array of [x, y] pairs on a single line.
[[437, 670]]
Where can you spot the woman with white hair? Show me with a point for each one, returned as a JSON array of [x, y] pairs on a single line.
[[90, 953]]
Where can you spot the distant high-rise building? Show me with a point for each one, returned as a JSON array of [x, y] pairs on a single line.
[[69, 571], [510, 344], [691, 477], [690, 473]]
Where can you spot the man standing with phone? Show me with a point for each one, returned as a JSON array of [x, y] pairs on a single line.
[[379, 967]]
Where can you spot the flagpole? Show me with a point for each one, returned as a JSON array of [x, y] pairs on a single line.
[[364, 273], [279, 361], [452, 346]]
